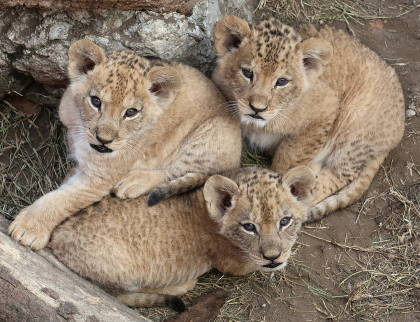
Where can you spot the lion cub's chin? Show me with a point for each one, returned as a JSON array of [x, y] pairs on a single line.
[[250, 119]]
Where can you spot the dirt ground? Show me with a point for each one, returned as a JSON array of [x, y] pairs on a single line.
[[358, 264]]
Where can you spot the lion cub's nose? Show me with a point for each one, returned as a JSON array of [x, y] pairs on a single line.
[[271, 258], [255, 109], [103, 141]]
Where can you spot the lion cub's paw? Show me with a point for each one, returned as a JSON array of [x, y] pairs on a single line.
[[138, 183], [28, 230]]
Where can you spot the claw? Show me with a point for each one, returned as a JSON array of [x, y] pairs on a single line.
[[118, 184], [20, 237], [13, 229], [30, 245]]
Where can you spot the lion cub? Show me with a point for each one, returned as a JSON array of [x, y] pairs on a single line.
[[133, 124], [246, 220], [313, 96]]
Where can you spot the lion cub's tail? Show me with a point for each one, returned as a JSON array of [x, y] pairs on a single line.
[[151, 300], [186, 183]]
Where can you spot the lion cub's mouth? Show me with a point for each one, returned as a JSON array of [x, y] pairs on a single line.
[[256, 116], [101, 148], [272, 265]]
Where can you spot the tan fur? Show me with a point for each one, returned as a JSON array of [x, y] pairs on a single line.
[[175, 124], [127, 247], [312, 96]]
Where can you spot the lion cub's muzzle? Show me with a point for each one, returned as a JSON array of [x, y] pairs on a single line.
[[101, 148], [275, 261], [256, 110]]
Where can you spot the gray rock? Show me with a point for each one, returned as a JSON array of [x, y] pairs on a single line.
[[411, 110], [34, 43], [410, 113]]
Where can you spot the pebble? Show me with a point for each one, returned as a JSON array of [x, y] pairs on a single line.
[[410, 113]]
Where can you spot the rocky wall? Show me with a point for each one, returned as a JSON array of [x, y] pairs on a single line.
[[34, 42]]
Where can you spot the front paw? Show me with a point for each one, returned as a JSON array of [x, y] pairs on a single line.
[[126, 190], [28, 230], [138, 183]]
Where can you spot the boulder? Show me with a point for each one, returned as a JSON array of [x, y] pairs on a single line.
[[34, 41]]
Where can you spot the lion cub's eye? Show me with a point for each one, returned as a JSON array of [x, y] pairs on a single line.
[[282, 82], [131, 112], [96, 102], [248, 73], [285, 221], [250, 227]]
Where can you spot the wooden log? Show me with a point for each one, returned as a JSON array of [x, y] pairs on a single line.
[[161, 6], [35, 286]]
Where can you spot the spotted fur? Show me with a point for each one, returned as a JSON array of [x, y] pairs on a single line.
[[133, 124], [315, 96], [239, 222]]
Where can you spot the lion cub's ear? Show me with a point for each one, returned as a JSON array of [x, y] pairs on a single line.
[[84, 55], [300, 181], [229, 33], [316, 54], [220, 194], [165, 83]]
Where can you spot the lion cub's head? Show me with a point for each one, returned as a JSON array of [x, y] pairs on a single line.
[[265, 69], [260, 211], [117, 95]]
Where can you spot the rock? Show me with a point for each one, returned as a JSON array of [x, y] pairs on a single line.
[[411, 110], [180, 6], [410, 113], [35, 43]]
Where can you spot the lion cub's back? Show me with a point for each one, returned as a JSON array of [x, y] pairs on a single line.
[[366, 85], [117, 241], [200, 91]]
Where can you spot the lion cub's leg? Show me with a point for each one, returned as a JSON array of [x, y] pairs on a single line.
[[338, 189], [176, 289], [212, 147], [34, 224], [139, 182], [302, 149]]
